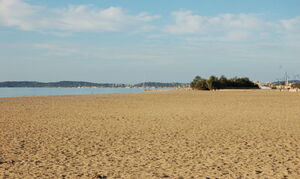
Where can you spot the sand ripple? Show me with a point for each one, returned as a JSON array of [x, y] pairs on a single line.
[[175, 134]]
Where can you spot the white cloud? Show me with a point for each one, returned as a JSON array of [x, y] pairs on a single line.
[[25, 16], [18, 13], [222, 27], [187, 22], [291, 25], [289, 31], [87, 18]]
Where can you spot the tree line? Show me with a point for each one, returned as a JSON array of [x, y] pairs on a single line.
[[214, 83], [296, 85]]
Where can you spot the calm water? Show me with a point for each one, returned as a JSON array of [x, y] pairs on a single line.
[[14, 92]]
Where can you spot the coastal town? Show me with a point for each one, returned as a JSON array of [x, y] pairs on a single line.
[[286, 85]]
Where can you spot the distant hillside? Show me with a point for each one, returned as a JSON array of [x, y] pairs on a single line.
[[76, 84], [66, 84], [290, 81], [161, 85]]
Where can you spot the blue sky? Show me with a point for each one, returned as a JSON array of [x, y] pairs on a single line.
[[129, 41]]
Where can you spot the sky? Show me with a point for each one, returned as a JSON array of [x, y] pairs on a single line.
[[131, 41]]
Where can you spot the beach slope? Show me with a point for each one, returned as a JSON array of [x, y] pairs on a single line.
[[172, 134]]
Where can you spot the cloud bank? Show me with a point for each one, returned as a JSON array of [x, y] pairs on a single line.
[[18, 13], [230, 27], [193, 27]]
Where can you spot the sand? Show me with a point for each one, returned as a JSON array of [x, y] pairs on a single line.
[[173, 134]]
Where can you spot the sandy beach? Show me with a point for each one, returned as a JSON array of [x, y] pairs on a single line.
[[168, 134]]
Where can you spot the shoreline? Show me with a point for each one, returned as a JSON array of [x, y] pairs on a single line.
[[156, 90], [86, 92]]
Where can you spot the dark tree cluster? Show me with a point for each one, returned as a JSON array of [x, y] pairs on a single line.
[[214, 83], [296, 85]]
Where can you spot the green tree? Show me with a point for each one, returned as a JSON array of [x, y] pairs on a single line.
[[223, 82], [213, 83], [199, 83], [296, 85]]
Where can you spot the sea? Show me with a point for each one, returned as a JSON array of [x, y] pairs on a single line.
[[17, 92]]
